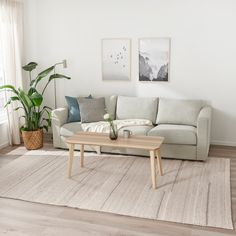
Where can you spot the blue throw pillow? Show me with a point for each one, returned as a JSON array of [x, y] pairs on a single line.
[[73, 107]]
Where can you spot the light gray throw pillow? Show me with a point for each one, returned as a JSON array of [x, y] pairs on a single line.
[[92, 110]]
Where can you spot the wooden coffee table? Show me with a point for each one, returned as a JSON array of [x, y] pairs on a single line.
[[150, 143]]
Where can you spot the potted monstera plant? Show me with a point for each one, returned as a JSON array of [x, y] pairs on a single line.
[[36, 115]]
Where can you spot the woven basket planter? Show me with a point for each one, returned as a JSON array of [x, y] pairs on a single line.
[[33, 139]]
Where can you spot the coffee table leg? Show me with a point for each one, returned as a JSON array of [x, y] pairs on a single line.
[[153, 168], [71, 157], [82, 155], [158, 154]]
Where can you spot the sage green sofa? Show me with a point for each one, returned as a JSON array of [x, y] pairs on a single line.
[[185, 125]]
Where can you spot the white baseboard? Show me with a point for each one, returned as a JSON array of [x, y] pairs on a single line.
[[224, 143], [3, 145]]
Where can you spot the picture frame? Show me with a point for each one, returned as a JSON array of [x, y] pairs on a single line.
[[154, 59], [116, 59]]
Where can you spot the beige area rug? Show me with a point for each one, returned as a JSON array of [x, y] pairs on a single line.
[[189, 192]]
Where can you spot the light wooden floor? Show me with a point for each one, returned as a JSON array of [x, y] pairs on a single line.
[[24, 218]]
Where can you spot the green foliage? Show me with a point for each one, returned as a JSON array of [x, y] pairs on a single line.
[[30, 66], [35, 116]]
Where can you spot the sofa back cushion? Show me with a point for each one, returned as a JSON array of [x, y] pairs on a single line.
[[182, 112], [136, 108], [110, 102]]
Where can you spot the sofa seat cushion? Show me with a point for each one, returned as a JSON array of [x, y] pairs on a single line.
[[104, 126], [136, 130], [69, 129], [176, 134]]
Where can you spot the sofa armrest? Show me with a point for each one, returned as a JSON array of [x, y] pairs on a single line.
[[59, 118], [203, 132]]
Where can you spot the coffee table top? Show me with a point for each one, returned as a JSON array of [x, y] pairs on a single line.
[[102, 139]]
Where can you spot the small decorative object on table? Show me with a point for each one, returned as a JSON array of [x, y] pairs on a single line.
[[113, 135], [127, 133]]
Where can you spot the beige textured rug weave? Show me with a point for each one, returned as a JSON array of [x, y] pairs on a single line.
[[189, 192]]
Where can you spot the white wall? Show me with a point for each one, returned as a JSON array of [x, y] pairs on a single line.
[[203, 48]]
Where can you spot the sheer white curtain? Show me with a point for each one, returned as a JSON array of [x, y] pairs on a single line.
[[11, 33]]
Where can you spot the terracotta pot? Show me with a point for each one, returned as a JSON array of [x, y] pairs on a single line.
[[33, 139]]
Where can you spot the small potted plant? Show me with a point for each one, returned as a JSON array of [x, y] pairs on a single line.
[[36, 116]]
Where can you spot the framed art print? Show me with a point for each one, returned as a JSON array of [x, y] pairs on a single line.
[[116, 59], [154, 59]]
